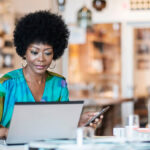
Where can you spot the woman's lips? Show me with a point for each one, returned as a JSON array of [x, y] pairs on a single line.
[[40, 67]]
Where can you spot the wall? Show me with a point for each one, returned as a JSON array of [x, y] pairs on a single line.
[[116, 10], [25, 6]]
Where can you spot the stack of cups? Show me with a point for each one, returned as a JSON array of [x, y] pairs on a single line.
[[119, 132], [128, 133], [132, 124]]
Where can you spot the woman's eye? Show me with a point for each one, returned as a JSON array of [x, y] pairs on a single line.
[[34, 52], [48, 53]]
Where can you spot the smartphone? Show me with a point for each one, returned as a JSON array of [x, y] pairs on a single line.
[[97, 116]]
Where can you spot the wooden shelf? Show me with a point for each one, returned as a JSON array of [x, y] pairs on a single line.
[[141, 61], [144, 41], [99, 59]]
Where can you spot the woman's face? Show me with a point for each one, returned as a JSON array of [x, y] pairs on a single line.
[[39, 57]]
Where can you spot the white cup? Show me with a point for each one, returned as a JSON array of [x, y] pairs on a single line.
[[119, 132], [131, 124], [133, 121], [84, 132]]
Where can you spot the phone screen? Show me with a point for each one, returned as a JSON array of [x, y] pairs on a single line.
[[97, 116]]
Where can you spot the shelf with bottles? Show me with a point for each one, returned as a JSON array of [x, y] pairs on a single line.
[[104, 65], [141, 60], [94, 90], [142, 33], [105, 75], [142, 49], [142, 41], [98, 60], [106, 53], [7, 52]]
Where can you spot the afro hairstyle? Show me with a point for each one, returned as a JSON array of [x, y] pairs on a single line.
[[41, 27]]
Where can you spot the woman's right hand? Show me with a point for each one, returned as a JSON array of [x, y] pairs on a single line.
[[3, 132], [85, 117]]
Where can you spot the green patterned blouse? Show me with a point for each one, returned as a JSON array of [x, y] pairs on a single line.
[[14, 88]]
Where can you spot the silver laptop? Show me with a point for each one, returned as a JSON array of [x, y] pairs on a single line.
[[39, 121]]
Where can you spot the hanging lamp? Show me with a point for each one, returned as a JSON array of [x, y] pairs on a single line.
[[84, 17]]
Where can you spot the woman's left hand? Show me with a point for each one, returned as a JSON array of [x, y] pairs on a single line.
[[3, 132], [85, 117]]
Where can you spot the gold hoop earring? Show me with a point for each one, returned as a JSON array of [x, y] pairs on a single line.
[[24, 63], [52, 66]]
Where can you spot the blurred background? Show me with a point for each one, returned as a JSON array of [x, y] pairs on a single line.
[[107, 61]]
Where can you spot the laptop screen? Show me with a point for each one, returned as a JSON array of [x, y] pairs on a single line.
[[48, 120]]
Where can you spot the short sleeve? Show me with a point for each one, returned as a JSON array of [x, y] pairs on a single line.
[[64, 91], [2, 98]]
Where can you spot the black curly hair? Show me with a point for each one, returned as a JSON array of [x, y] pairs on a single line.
[[42, 27]]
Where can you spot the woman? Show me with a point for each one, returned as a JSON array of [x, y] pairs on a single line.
[[39, 38]]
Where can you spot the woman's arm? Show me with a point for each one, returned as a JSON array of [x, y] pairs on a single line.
[[3, 130]]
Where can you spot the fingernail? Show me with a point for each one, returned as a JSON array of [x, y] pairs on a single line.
[[91, 124], [96, 120], [102, 116]]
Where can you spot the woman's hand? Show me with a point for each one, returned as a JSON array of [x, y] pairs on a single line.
[[3, 132], [85, 117]]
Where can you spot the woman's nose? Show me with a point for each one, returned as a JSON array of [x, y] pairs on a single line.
[[41, 57]]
